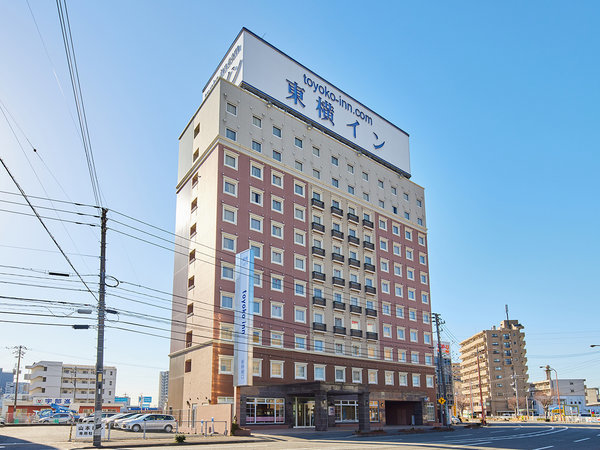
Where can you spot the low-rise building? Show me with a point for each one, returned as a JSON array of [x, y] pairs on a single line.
[[592, 396], [571, 392]]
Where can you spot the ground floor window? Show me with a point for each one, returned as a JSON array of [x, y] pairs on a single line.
[[374, 411], [429, 412], [346, 411], [265, 410]]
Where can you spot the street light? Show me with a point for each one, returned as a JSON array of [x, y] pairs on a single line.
[[548, 369]]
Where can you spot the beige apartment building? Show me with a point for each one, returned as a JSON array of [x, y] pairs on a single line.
[[502, 365]]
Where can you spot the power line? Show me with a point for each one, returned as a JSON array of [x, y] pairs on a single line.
[[52, 209], [48, 218], [37, 197]]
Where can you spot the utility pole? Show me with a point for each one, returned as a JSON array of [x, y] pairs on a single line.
[[514, 376], [19, 352], [97, 440], [441, 380], [471, 393], [483, 422]]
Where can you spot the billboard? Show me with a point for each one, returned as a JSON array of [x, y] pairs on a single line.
[[445, 349], [242, 326], [265, 70]]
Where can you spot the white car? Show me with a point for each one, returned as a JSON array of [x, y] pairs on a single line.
[[104, 415], [58, 418], [119, 423], [116, 417], [151, 422]]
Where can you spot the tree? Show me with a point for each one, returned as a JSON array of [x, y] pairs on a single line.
[[512, 403], [461, 401], [545, 400]]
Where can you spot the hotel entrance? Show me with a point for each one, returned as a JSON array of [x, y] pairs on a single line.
[[304, 412]]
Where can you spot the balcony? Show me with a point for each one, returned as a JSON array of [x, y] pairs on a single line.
[[319, 301], [371, 312], [367, 223], [352, 217], [354, 262], [318, 251], [353, 240], [317, 203], [356, 333], [369, 267], [370, 290], [337, 257], [318, 227], [354, 285], [368, 245], [319, 326], [355, 309], [339, 305], [337, 281], [339, 330], [372, 336], [318, 276], [337, 234], [337, 211]]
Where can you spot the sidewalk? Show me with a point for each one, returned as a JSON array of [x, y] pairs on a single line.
[[190, 440]]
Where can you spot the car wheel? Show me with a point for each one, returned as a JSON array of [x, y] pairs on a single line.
[[169, 428], [136, 428]]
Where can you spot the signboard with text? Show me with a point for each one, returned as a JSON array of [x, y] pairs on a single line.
[[242, 327], [86, 430], [266, 70]]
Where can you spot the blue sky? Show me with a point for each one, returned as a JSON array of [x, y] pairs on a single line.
[[500, 100]]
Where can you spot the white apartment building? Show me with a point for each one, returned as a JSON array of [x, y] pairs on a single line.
[[55, 379], [163, 389]]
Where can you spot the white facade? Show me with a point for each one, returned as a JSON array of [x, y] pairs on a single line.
[[163, 389], [571, 391], [55, 379]]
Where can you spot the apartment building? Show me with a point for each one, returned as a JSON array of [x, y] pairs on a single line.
[[58, 380], [571, 391], [163, 389], [341, 307], [502, 366]]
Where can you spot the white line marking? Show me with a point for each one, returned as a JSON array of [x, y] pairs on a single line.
[[580, 440], [544, 448], [479, 443], [499, 431]]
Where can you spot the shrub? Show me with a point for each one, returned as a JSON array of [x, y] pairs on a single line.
[[179, 438]]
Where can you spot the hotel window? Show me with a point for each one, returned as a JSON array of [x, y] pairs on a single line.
[[387, 331], [299, 213], [257, 122], [300, 288], [422, 259], [421, 240], [334, 161], [407, 215], [316, 151], [256, 368], [226, 332], [397, 249], [318, 345], [256, 197], [355, 349], [383, 244], [398, 290], [409, 254], [423, 278], [318, 317], [400, 312], [276, 310], [365, 176], [425, 297], [230, 134], [299, 263], [276, 131], [230, 187], [276, 283], [229, 242], [401, 355], [299, 237], [371, 351], [316, 174], [276, 339], [340, 374], [300, 371], [257, 146], [276, 155], [405, 195], [277, 230], [226, 272], [384, 265], [335, 182], [426, 338], [402, 379], [387, 354], [298, 165], [350, 189], [408, 235], [411, 294], [381, 204], [385, 287], [231, 109], [357, 375], [419, 203], [416, 380], [277, 204], [429, 381], [372, 374], [419, 221], [426, 318], [319, 372], [383, 224], [386, 309], [339, 348], [277, 180], [226, 365], [414, 336], [394, 191], [428, 359], [256, 223], [398, 270], [410, 274], [257, 336], [400, 333], [276, 369], [412, 314], [365, 196], [300, 342], [277, 256], [414, 357], [389, 377], [299, 189], [396, 229], [230, 160], [298, 142], [257, 307], [256, 171]]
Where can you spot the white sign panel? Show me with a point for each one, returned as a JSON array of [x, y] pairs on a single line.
[[262, 67], [86, 430], [242, 329], [50, 401]]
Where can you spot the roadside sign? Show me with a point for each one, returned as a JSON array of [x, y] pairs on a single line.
[[441, 400], [86, 430]]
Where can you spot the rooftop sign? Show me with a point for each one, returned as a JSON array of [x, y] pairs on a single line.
[[258, 65]]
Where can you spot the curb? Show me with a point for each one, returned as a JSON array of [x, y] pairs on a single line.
[[170, 443]]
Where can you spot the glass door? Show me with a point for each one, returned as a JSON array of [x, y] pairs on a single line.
[[304, 412]]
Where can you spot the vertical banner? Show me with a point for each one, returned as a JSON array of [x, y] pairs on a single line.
[[242, 329]]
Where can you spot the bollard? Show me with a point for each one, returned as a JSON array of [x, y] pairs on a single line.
[[202, 427], [213, 425], [108, 434]]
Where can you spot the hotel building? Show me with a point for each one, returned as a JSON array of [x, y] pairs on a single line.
[[279, 160]]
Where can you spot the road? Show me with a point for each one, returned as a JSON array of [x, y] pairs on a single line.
[[504, 436]]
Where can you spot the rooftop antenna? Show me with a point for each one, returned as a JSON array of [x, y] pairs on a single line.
[[506, 307]]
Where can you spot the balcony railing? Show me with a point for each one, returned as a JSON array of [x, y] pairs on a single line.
[[318, 227], [369, 267], [337, 234], [354, 262], [354, 285], [370, 290], [318, 251], [371, 312], [338, 281], [353, 240], [339, 330], [367, 223], [372, 336], [319, 326], [356, 333], [317, 203], [355, 309], [337, 211], [369, 245], [352, 217], [339, 305], [319, 301], [318, 276], [337, 257]]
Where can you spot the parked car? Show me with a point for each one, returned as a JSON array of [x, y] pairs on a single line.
[[455, 420], [113, 419], [58, 418], [90, 418], [119, 422], [151, 422], [2, 421]]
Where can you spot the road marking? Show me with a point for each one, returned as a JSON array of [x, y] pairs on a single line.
[[544, 448], [479, 443], [499, 431], [581, 440]]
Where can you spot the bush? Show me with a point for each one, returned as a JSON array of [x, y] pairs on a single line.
[[179, 438]]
